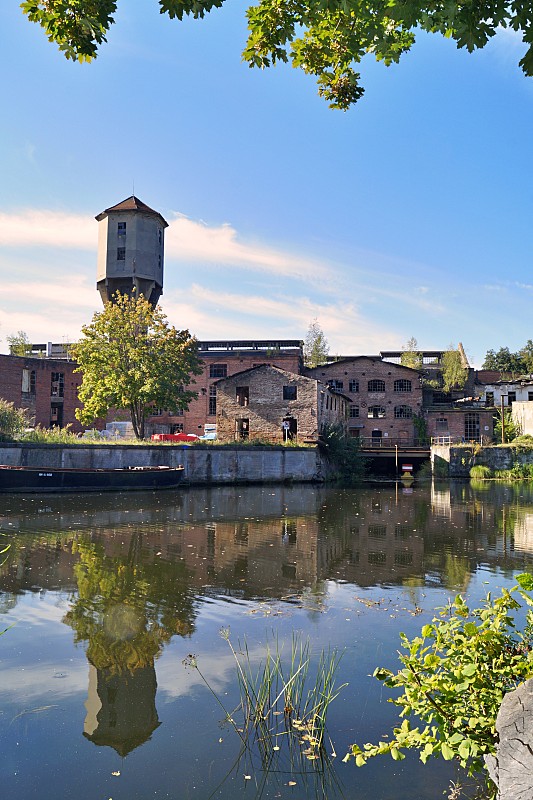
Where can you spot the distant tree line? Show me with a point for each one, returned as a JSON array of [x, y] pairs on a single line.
[[503, 360]]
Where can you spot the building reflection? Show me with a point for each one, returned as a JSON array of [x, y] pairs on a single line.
[[136, 576]]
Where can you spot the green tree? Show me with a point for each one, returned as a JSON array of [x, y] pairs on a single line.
[[454, 373], [503, 360], [316, 348], [526, 354], [325, 39], [410, 356], [131, 359], [19, 344]]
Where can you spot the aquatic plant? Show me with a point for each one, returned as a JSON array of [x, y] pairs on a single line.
[[454, 677], [279, 700], [480, 472]]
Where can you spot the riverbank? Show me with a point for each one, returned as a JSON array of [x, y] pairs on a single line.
[[237, 464]]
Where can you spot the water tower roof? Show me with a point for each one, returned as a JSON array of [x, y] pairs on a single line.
[[132, 204]]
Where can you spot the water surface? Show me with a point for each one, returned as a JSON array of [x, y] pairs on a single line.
[[107, 596]]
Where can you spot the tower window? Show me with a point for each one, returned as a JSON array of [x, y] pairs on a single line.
[[160, 236], [121, 253], [121, 228]]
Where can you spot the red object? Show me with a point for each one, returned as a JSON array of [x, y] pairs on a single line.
[[174, 437]]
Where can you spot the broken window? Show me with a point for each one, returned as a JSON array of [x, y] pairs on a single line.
[[218, 370], [289, 393], [441, 425], [511, 398], [354, 386], [243, 395], [28, 381], [335, 385], [402, 385], [57, 387], [403, 412], [354, 411], [121, 228], [376, 412], [376, 386], [121, 253], [242, 428], [212, 400], [472, 427], [177, 428], [489, 398]]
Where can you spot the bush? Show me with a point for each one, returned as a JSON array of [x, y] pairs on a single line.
[[12, 421], [480, 472], [454, 677], [343, 452], [524, 438], [51, 436]]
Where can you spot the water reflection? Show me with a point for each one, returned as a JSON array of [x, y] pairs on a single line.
[[142, 571]]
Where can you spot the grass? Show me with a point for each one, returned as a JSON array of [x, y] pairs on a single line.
[[480, 472], [283, 703]]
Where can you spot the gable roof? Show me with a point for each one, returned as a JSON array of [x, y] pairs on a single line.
[[290, 375], [350, 359], [131, 203]]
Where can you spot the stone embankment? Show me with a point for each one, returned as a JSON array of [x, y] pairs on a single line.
[[203, 464], [456, 462]]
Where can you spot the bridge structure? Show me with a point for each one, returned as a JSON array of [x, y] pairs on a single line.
[[392, 456]]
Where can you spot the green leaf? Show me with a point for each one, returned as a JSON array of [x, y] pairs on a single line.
[[447, 752], [469, 670], [525, 581]]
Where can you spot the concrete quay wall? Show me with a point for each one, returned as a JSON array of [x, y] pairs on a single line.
[[203, 465], [456, 462]]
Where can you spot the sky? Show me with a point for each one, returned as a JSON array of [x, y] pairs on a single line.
[[411, 215]]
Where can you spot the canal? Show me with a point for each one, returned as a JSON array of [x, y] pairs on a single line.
[[116, 667]]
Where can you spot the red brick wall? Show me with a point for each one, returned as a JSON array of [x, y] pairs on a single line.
[[39, 404], [364, 369], [197, 416], [452, 423]]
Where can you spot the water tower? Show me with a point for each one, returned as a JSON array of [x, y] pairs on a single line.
[[131, 244]]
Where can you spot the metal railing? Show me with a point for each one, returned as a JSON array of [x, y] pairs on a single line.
[[387, 442]]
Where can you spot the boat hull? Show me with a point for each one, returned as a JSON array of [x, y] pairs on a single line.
[[38, 479]]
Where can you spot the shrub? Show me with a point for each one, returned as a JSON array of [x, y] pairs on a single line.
[[12, 420], [454, 678], [51, 436], [480, 471], [343, 452]]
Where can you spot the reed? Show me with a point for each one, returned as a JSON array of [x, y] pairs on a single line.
[[284, 702]]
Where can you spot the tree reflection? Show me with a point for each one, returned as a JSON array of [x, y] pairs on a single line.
[[127, 609]]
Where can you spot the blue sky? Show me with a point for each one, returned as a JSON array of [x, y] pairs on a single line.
[[409, 215]]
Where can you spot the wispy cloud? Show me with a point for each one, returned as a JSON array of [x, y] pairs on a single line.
[[190, 240], [208, 313], [42, 228], [186, 240]]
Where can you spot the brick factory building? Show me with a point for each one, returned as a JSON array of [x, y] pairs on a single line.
[[266, 402], [384, 398], [222, 359], [46, 387]]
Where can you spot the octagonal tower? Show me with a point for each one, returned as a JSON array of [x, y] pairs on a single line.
[[131, 243]]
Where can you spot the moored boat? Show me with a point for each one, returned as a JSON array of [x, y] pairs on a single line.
[[40, 479]]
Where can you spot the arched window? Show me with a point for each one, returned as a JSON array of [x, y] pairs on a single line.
[[402, 385], [376, 412], [403, 412], [376, 386]]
